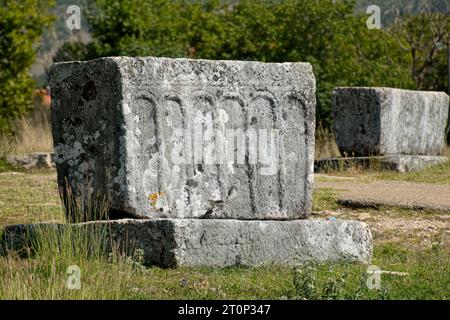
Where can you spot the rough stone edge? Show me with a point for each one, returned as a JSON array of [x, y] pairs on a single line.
[[124, 62]]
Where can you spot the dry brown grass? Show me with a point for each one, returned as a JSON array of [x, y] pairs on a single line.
[[27, 197], [32, 133], [325, 146], [447, 151]]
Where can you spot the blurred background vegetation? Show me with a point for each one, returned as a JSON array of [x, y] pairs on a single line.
[[410, 51]]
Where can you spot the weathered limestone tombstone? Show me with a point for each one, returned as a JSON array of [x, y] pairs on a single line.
[[179, 138], [214, 157], [402, 129]]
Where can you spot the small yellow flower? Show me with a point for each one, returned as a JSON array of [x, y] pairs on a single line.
[[153, 197]]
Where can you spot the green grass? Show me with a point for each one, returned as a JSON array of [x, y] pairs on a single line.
[[29, 197], [325, 199], [44, 277], [439, 174], [32, 197], [5, 166]]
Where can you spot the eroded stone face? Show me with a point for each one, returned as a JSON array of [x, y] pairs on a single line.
[[184, 138], [386, 121]]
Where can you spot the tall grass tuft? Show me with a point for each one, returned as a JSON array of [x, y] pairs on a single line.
[[30, 133], [325, 146], [85, 204], [41, 270]]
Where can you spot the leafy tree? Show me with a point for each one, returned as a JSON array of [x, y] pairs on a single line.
[[72, 51], [21, 24], [424, 39], [138, 27], [326, 33]]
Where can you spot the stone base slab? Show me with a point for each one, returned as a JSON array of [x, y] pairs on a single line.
[[211, 242], [34, 160], [400, 163]]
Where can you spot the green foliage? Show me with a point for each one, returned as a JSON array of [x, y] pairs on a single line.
[[424, 38], [21, 24], [417, 274], [138, 27], [5, 166], [71, 51], [326, 33]]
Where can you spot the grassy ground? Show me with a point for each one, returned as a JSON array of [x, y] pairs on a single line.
[[30, 197], [439, 174], [427, 278], [409, 228]]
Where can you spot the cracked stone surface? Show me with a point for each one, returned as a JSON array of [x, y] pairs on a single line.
[[125, 131]]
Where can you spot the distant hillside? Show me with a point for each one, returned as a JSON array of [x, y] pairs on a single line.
[[392, 8], [55, 37]]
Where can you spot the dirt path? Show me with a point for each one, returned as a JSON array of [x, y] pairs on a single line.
[[410, 195], [413, 228]]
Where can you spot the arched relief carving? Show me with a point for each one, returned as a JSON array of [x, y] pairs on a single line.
[[202, 99], [151, 146], [229, 111], [232, 126], [301, 103], [271, 99], [206, 170], [265, 175], [203, 126], [173, 175], [297, 127]]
